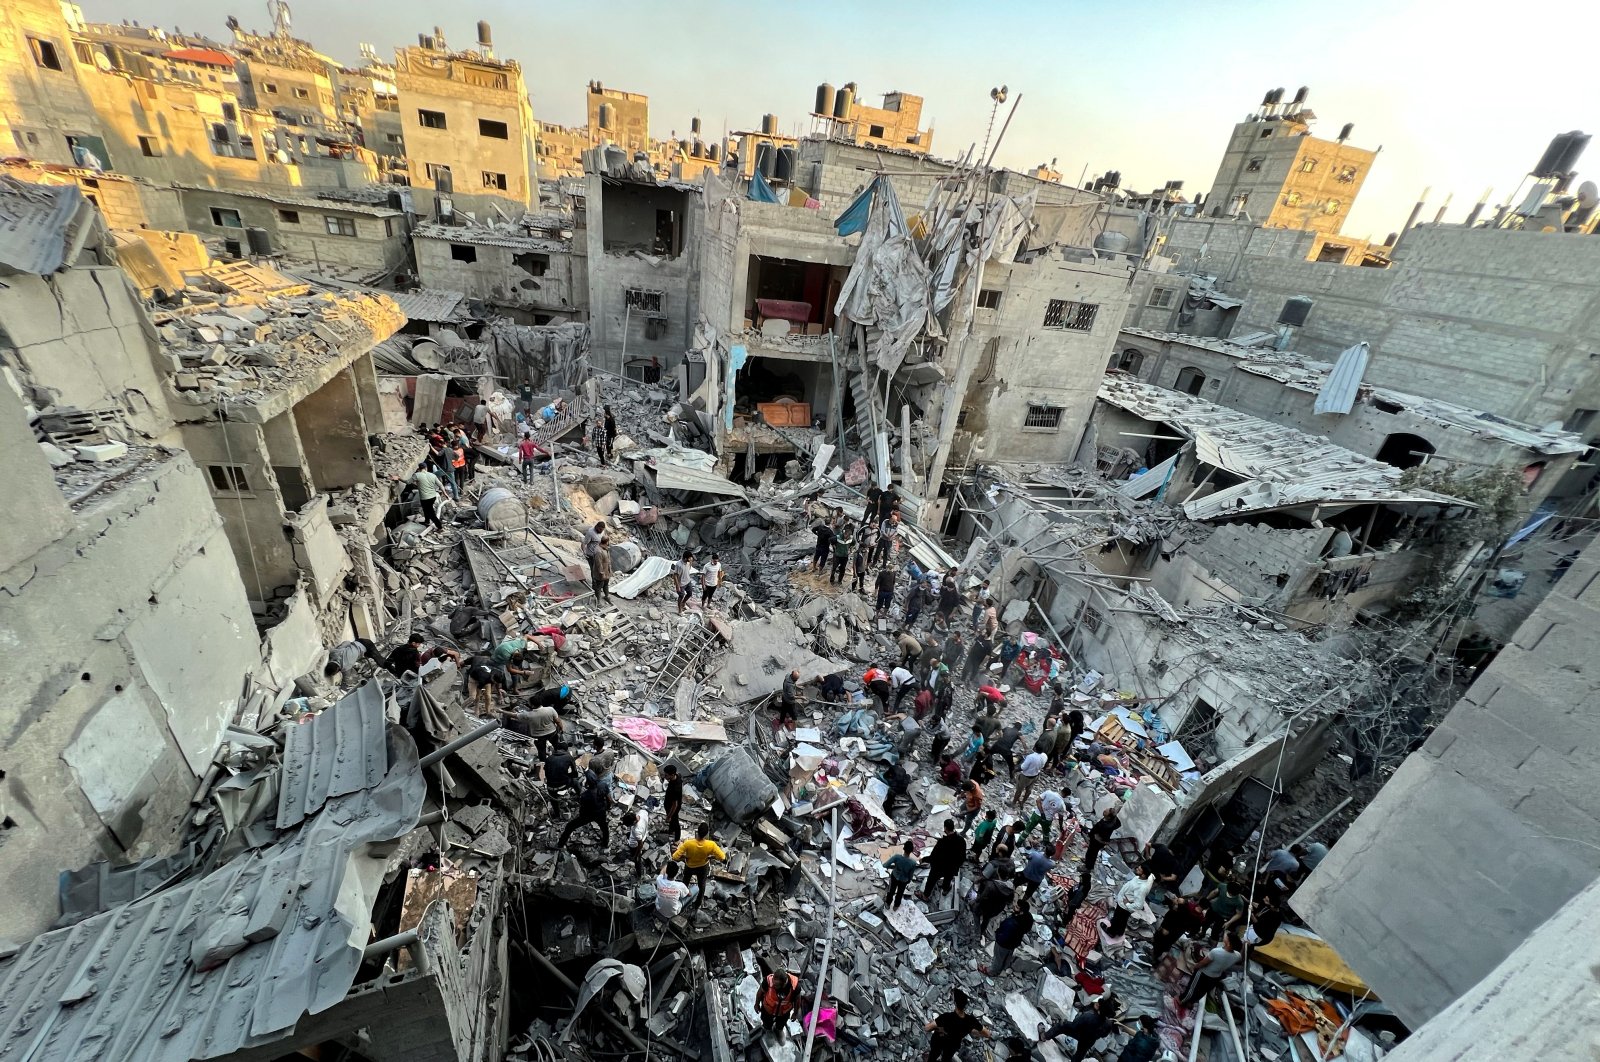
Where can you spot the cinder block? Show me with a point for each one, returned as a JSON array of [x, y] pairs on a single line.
[[101, 452]]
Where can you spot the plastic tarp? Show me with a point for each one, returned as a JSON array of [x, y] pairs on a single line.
[[760, 190], [854, 218], [736, 359], [887, 287], [1000, 224]]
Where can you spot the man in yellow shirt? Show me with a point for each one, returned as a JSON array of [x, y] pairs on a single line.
[[697, 854]]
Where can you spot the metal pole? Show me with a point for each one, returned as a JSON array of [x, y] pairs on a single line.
[[461, 742], [827, 946]]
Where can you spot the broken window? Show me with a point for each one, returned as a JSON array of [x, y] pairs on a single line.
[[1291, 199], [340, 226], [1332, 206], [44, 53], [989, 299], [529, 262], [225, 218], [1308, 166], [301, 94], [493, 130], [1090, 620], [1254, 166], [393, 138], [430, 119], [1161, 298], [642, 300], [229, 479], [230, 113], [494, 180], [1190, 380], [1074, 316], [289, 217], [1579, 420], [84, 52], [150, 147], [270, 87], [1346, 175], [875, 131], [1043, 418], [1131, 360], [463, 252]]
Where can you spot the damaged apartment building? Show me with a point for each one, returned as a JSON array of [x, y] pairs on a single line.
[[903, 311]]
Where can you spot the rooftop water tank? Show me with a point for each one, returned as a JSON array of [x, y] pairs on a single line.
[[1111, 242]]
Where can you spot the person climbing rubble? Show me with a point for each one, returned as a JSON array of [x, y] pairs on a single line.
[[593, 805], [902, 868], [683, 578], [779, 998], [429, 487], [696, 855], [1014, 929], [952, 1028], [671, 893], [789, 701], [944, 862], [1086, 1028]]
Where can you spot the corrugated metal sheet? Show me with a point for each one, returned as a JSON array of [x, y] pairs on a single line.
[[671, 476], [126, 984], [340, 751], [428, 305], [1148, 481], [1339, 387]]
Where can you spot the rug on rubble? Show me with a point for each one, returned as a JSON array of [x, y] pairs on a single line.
[[1082, 933]]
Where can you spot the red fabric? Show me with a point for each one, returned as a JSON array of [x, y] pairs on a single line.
[[992, 694], [1083, 933], [785, 310]]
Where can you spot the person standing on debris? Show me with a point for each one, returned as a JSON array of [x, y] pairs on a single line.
[[949, 598], [561, 770], [600, 570], [885, 585], [951, 1029], [611, 434], [527, 452], [980, 601], [601, 440], [602, 763], [977, 658], [843, 540], [1184, 916], [955, 649], [1100, 834], [858, 568], [903, 682], [922, 703], [876, 680], [459, 474], [710, 580], [1224, 908], [591, 546], [971, 803], [1130, 898], [1213, 967], [1004, 745], [888, 539], [1087, 1028], [672, 801], [995, 894], [697, 854], [1035, 868], [1145, 1044], [592, 807], [899, 783], [944, 862], [902, 868], [670, 892], [638, 823], [988, 829], [1049, 810], [1007, 655], [1266, 918], [1061, 739], [780, 995], [969, 754], [824, 531], [1014, 929], [937, 743], [910, 648], [482, 419], [789, 701], [1033, 765], [542, 724], [428, 490], [683, 578]]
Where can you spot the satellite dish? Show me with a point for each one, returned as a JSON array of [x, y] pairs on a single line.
[[1588, 194]]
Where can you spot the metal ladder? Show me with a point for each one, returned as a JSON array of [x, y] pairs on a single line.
[[694, 640]]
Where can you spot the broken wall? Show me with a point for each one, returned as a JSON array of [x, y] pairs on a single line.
[[130, 642], [530, 282], [1494, 823], [83, 338], [302, 230], [621, 337]]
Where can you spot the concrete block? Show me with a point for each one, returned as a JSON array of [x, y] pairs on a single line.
[[186, 381], [101, 452]]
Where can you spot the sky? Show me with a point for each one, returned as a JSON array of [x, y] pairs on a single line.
[[1457, 102]]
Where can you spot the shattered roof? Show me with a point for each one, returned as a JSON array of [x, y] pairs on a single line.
[[290, 199], [1300, 373], [426, 304], [281, 930], [513, 236], [1282, 467], [339, 752]]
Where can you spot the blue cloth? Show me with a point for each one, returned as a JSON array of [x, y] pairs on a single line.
[[854, 218], [736, 360], [1038, 866], [760, 190]]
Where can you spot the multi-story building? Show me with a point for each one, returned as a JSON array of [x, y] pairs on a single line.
[[894, 125], [1281, 176], [468, 127], [623, 118]]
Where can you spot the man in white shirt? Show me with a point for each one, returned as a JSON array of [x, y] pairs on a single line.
[[710, 579], [682, 578], [1032, 767], [670, 892], [1130, 898], [903, 682]]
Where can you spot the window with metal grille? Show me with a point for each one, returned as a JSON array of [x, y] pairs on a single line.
[[639, 299], [340, 226], [1044, 418], [1090, 620], [229, 478], [1075, 316], [989, 299], [1161, 298], [431, 119]]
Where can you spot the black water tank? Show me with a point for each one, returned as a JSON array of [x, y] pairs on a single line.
[[260, 242], [1546, 166], [1576, 142], [1295, 311], [843, 99], [824, 99], [785, 164], [766, 158]]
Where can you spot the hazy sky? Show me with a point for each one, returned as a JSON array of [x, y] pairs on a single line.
[[1456, 100]]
